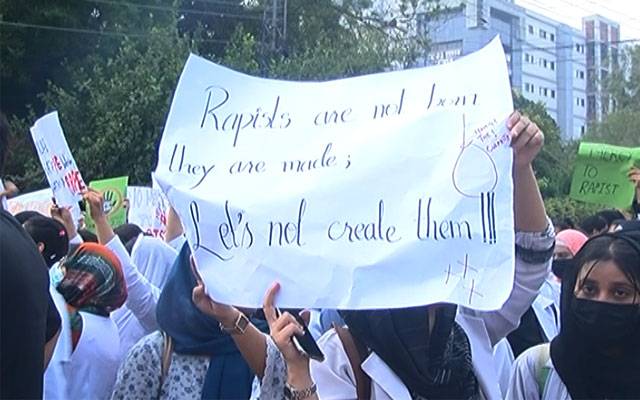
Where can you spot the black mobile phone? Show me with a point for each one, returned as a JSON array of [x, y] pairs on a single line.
[[305, 342]]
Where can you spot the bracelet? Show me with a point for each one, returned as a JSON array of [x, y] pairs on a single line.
[[290, 393]]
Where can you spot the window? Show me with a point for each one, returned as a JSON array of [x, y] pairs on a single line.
[[579, 102], [527, 57], [543, 91], [552, 37], [528, 87], [579, 74], [582, 130], [544, 63], [553, 94], [531, 29], [543, 34], [580, 48], [553, 65]]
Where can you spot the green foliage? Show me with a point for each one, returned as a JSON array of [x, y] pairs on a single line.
[[563, 208], [553, 165], [113, 112], [622, 126]]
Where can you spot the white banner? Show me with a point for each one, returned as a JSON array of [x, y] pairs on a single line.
[[61, 170], [148, 209], [39, 201], [386, 190]]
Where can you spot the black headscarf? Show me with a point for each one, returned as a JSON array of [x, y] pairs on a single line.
[[434, 365], [195, 333], [605, 365]]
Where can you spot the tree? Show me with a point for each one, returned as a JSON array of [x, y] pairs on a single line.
[[622, 126], [113, 103]]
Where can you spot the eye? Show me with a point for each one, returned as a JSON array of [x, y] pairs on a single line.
[[589, 289], [622, 293]]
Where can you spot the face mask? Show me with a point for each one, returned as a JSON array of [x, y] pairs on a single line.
[[560, 265], [606, 323], [56, 275]]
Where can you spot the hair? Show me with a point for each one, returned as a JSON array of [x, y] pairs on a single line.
[[611, 215], [87, 236], [52, 235], [595, 223], [23, 216], [615, 248], [126, 232], [4, 140], [564, 224]]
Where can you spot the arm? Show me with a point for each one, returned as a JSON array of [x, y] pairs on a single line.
[[534, 233], [142, 296], [634, 176], [252, 343]]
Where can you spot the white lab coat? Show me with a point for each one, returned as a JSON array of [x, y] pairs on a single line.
[[335, 378], [55, 378], [524, 379], [546, 307], [153, 258]]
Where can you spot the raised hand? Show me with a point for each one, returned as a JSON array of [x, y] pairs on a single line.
[[526, 139]]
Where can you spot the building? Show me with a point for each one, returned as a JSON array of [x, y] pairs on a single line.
[[602, 36], [546, 58]]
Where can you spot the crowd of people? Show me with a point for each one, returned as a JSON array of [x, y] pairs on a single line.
[[121, 315]]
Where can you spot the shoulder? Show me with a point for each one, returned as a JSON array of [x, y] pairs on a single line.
[[533, 364], [146, 350]]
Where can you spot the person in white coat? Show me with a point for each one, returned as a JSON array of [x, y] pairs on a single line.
[[437, 351], [596, 355]]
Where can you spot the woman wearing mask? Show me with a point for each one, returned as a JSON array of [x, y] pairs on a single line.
[[93, 287], [597, 353], [568, 243]]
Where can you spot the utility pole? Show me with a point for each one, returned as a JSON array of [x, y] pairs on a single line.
[[274, 28]]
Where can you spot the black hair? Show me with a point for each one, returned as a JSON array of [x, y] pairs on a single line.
[[4, 140], [126, 232], [52, 234], [23, 216], [593, 224], [611, 215], [564, 223], [87, 236], [621, 248]]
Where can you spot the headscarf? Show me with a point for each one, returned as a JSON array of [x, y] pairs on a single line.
[[589, 369], [434, 365], [93, 280], [194, 333], [571, 239], [154, 259]]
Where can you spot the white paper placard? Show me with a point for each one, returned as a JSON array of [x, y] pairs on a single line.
[[386, 190]]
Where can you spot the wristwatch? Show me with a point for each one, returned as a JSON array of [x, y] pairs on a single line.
[[239, 327], [290, 393]]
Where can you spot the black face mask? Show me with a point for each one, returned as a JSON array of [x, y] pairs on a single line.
[[605, 324], [560, 265]]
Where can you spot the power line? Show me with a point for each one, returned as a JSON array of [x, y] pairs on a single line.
[[16, 24], [175, 10]]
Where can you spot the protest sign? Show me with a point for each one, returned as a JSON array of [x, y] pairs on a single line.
[[600, 174], [387, 190], [59, 166], [39, 201], [147, 209], [114, 192]]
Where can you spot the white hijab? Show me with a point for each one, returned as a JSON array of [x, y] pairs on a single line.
[[153, 258]]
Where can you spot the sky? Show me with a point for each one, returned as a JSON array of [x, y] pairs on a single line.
[[625, 12]]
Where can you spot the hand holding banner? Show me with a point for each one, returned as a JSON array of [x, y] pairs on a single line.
[[59, 166], [388, 190]]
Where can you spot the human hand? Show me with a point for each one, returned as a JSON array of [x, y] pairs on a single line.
[[282, 329], [526, 139], [96, 204], [63, 215], [225, 314]]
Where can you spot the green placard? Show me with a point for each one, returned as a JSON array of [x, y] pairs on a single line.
[[600, 174], [114, 191]]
